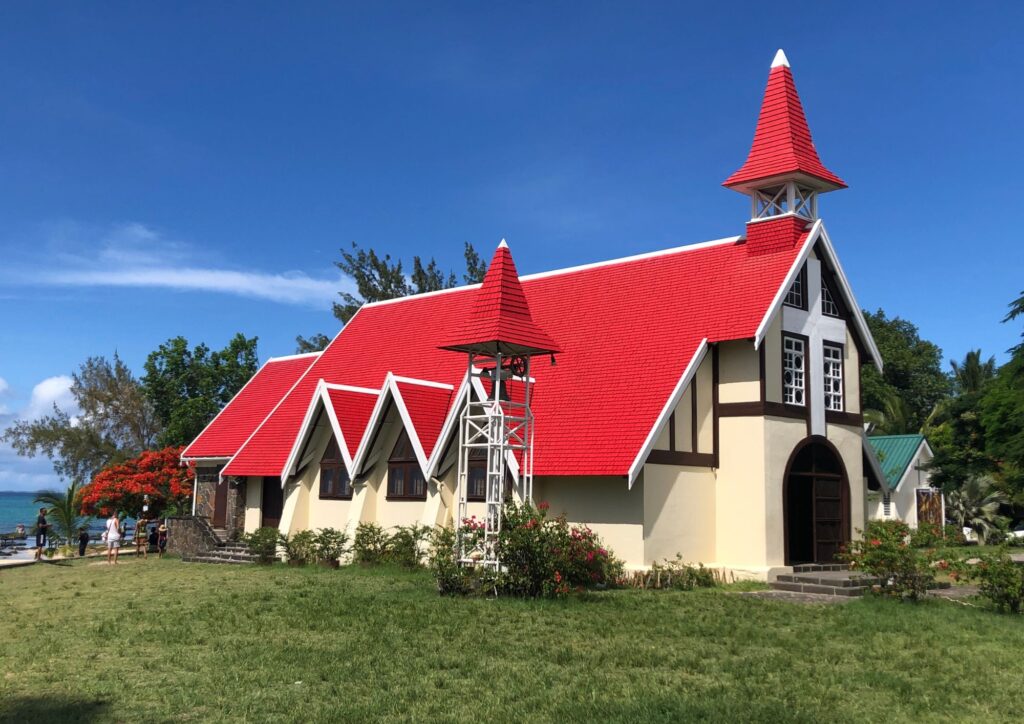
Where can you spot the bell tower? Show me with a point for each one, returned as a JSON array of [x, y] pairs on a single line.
[[783, 174]]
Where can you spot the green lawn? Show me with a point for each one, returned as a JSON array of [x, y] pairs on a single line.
[[161, 640]]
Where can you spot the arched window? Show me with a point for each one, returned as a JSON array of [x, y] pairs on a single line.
[[405, 479], [334, 480]]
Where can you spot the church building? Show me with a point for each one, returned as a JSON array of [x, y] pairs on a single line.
[[702, 400]]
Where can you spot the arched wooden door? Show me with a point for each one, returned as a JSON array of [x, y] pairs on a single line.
[[816, 503]]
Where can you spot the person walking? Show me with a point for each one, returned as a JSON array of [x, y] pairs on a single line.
[[83, 540], [161, 540], [42, 528], [112, 535], [141, 549]]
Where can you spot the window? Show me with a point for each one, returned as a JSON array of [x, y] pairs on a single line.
[[833, 354], [795, 295], [828, 305], [793, 370], [334, 480], [886, 505], [405, 479], [476, 479]]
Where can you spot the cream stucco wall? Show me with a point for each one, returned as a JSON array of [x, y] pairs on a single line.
[[773, 360], [740, 504], [253, 503], [739, 372], [679, 505], [851, 373]]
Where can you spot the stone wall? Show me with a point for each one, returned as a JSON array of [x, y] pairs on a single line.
[[206, 490], [235, 519], [189, 536]]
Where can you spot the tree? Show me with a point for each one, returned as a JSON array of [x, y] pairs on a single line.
[[972, 374], [893, 418], [976, 505], [116, 421], [188, 387], [123, 487], [1016, 310], [1001, 415], [378, 278], [913, 370], [63, 510]]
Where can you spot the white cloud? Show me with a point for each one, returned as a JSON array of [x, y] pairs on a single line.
[[5, 389], [51, 391], [135, 255]]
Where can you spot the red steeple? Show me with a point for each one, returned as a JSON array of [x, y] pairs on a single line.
[[500, 321], [782, 147]]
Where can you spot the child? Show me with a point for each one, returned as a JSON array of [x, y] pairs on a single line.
[[161, 540]]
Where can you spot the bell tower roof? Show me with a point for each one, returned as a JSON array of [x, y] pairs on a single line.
[[782, 149]]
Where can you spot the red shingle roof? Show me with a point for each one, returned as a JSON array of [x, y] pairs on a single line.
[[627, 330], [352, 409], [225, 434], [782, 142], [500, 321], [427, 407]]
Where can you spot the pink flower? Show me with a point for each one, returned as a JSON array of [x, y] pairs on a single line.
[[544, 505]]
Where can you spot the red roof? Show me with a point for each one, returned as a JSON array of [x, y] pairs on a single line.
[[352, 409], [500, 321], [427, 407], [627, 331], [782, 142], [225, 434]]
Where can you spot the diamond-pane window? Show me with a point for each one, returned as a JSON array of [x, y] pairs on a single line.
[[793, 371], [833, 377]]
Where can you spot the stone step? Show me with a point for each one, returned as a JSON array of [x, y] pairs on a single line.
[[838, 579], [818, 567], [233, 548], [818, 588], [216, 559]]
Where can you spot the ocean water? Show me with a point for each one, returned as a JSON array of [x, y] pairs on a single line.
[[16, 507]]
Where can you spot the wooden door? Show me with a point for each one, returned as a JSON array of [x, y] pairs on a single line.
[[272, 502], [829, 521], [220, 504], [929, 507]]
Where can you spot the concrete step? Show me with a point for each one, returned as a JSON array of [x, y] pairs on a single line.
[[839, 579], [817, 588], [216, 559], [818, 567]]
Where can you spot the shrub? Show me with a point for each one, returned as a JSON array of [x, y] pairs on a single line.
[[404, 545], [954, 536], [330, 544], [679, 575], [263, 544], [927, 535], [1000, 580], [370, 544], [300, 547], [884, 551], [453, 578]]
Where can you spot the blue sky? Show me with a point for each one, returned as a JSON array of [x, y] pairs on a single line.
[[193, 169]]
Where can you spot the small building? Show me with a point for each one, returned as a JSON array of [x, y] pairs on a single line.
[[702, 400], [906, 492]]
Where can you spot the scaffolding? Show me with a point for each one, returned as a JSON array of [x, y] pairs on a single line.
[[500, 422]]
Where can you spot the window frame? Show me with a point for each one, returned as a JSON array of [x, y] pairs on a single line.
[[476, 462], [805, 343], [334, 463], [800, 279], [841, 349], [410, 466]]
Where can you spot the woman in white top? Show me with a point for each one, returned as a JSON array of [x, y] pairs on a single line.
[[113, 537]]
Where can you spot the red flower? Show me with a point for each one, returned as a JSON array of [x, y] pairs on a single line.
[[876, 542], [544, 505]]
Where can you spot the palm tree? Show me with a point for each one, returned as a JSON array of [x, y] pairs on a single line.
[[971, 374], [975, 505], [892, 419], [63, 508]]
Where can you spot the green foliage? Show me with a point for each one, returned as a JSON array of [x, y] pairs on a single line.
[[300, 547], [913, 375], [187, 387], [115, 422], [885, 552], [313, 343], [405, 546], [976, 505], [927, 535], [1016, 310], [263, 544], [331, 544], [370, 544], [476, 267], [63, 511], [970, 375], [1000, 580], [679, 575], [453, 578]]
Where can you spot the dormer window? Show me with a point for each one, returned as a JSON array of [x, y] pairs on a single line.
[[334, 481], [796, 296], [405, 479]]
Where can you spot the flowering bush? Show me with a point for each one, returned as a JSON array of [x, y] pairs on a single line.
[[927, 535], [1000, 580], [547, 557], [885, 552], [156, 473], [678, 574], [453, 578]]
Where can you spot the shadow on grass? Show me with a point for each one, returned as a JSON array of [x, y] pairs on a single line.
[[53, 709]]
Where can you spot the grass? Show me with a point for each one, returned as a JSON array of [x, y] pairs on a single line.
[[160, 640]]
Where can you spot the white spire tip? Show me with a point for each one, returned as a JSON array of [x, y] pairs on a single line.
[[503, 244], [780, 60]]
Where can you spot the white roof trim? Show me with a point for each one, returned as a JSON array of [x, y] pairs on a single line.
[[667, 410], [874, 462], [350, 388], [234, 397], [780, 60], [910, 465], [571, 269], [424, 383], [816, 234], [282, 358]]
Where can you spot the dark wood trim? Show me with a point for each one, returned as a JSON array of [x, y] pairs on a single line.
[[853, 419], [669, 457], [714, 405], [844, 487], [420, 498], [760, 409], [672, 432]]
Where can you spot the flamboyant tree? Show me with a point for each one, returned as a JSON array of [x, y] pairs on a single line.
[[123, 487]]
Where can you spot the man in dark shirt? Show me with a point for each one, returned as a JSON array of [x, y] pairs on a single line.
[[42, 528]]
